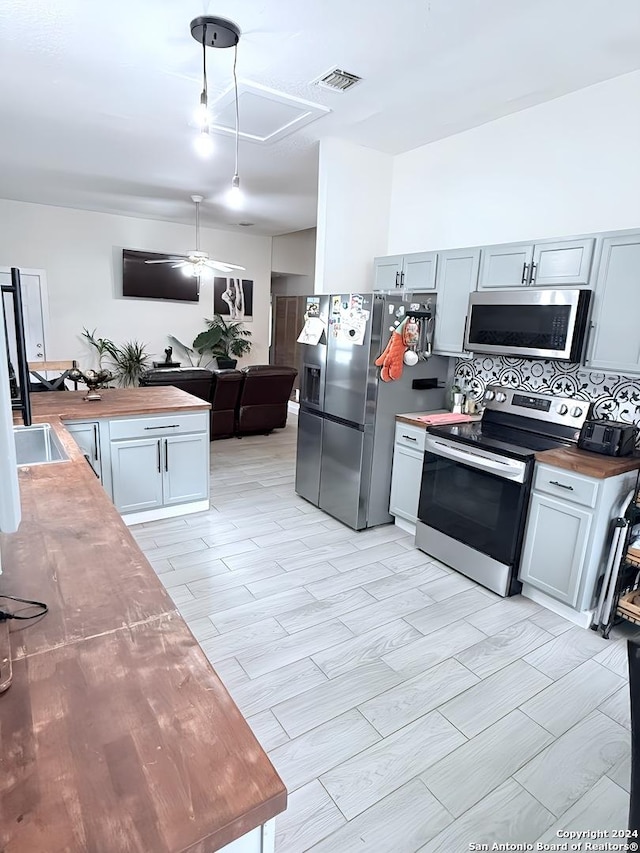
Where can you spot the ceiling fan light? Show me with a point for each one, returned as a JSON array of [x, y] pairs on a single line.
[[203, 143], [201, 115]]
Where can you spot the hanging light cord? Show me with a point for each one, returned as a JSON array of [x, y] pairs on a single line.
[[235, 84], [197, 226], [204, 65]]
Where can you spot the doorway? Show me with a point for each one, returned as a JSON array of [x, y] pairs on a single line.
[[35, 307]]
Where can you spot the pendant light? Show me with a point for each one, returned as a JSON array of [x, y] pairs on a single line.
[[212, 31]]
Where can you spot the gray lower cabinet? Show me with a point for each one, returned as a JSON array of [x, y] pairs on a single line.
[[615, 344], [457, 277], [87, 436], [186, 468], [136, 469], [556, 541], [565, 263], [416, 271], [406, 476], [568, 532]]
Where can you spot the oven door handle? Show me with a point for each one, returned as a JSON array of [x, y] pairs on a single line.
[[514, 471]]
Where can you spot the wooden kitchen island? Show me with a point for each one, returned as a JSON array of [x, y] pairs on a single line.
[[116, 734]]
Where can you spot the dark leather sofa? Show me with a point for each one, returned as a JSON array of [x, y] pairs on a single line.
[[243, 402]]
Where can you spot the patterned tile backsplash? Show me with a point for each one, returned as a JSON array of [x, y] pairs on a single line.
[[615, 397]]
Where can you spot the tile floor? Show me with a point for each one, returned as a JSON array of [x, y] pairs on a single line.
[[406, 708]]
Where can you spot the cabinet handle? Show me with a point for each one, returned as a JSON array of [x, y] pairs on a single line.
[[525, 270], [562, 485], [402, 279], [165, 426], [397, 278], [534, 269], [409, 437], [159, 459], [166, 455], [95, 442]]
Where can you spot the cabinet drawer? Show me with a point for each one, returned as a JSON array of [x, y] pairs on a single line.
[[171, 424], [564, 484], [411, 436]]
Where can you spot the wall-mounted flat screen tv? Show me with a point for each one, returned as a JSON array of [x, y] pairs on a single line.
[[156, 281]]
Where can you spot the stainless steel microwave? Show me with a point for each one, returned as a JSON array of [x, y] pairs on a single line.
[[528, 323]]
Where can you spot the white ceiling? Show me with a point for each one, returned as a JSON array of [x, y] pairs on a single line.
[[97, 98]]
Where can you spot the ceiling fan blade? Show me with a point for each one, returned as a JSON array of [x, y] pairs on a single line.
[[163, 261], [223, 265], [180, 264]]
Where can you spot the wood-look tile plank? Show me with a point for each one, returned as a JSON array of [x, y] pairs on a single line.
[[551, 622], [399, 823], [618, 707], [261, 608], [311, 815], [571, 698], [202, 629], [231, 673], [494, 697], [605, 807], [333, 697], [268, 730], [572, 764], [180, 594], [615, 658], [259, 694], [509, 813], [276, 653], [275, 553], [323, 609], [448, 585], [309, 556], [425, 652], [373, 774], [367, 556], [365, 648], [176, 550], [406, 702], [291, 580], [494, 653], [304, 758], [620, 773], [235, 534], [240, 640], [397, 582], [198, 571], [566, 651], [504, 613], [385, 610], [444, 613], [351, 579], [406, 559], [473, 770], [375, 536], [228, 578], [300, 531], [207, 605]]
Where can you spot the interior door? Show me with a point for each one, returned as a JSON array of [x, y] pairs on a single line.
[[288, 320], [35, 313]]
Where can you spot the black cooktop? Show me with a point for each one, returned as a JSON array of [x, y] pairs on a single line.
[[516, 443]]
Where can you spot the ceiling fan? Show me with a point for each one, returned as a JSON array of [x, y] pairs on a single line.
[[197, 263]]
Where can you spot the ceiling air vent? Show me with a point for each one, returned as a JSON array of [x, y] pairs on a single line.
[[337, 80]]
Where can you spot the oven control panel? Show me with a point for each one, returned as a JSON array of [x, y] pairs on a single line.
[[567, 411]]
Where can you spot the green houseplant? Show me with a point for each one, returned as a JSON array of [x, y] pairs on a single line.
[[128, 361], [225, 341]]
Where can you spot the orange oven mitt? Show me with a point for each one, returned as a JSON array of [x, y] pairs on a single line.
[[391, 359]]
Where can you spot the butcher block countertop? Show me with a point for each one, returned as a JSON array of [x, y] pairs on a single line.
[[115, 402], [587, 463], [116, 733], [411, 417]]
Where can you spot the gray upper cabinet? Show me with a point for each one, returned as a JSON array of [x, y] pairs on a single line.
[[505, 266], [562, 264], [387, 272], [615, 342], [457, 277], [416, 271], [566, 263]]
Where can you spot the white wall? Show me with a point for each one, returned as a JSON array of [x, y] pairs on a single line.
[[81, 253], [354, 194], [291, 285], [294, 253], [565, 167]]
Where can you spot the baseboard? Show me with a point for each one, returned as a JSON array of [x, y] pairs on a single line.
[[293, 407], [582, 618], [405, 525], [164, 512]]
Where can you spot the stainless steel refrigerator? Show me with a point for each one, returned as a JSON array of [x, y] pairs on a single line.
[[346, 424]]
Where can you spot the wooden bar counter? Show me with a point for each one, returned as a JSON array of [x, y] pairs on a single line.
[[116, 734]]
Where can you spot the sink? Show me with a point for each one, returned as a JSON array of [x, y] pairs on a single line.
[[38, 445]]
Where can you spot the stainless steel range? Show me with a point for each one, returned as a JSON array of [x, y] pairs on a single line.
[[477, 478]]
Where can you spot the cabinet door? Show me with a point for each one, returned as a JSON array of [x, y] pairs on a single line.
[[562, 264], [87, 437], [185, 468], [419, 271], [387, 271], [555, 547], [406, 478], [136, 469], [457, 277], [616, 343], [505, 266]]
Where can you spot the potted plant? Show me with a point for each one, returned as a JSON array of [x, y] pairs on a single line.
[[129, 361], [225, 341]]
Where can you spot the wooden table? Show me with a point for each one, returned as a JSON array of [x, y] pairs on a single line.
[[116, 734]]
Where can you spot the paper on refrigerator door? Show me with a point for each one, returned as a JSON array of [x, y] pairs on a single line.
[[312, 331]]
